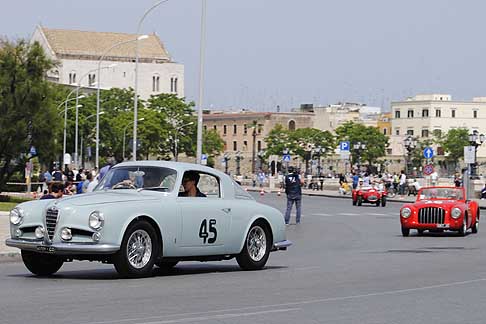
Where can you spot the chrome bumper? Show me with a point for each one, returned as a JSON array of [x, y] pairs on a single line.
[[281, 245], [63, 248]]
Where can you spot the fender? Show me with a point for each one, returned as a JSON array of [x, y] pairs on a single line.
[[252, 220], [130, 220]]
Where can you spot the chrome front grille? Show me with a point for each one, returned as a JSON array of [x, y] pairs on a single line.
[[51, 222], [431, 215]]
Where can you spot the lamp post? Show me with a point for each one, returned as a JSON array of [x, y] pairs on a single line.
[[135, 99], [97, 160], [358, 149], [176, 139], [65, 102], [318, 151], [238, 159], [475, 140], [81, 148], [201, 80], [410, 145], [124, 132], [226, 158]]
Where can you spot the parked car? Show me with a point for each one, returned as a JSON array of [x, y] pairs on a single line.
[[438, 209], [141, 214], [369, 195]]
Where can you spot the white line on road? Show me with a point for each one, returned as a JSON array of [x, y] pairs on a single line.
[[305, 302]]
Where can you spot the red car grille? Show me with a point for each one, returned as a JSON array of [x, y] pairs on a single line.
[[431, 215]]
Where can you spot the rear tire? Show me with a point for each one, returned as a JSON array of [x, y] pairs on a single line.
[[256, 248], [475, 228], [354, 202], [383, 201], [41, 264], [378, 203], [138, 251], [405, 231]]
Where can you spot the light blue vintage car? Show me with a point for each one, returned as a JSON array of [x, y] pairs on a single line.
[[143, 213]]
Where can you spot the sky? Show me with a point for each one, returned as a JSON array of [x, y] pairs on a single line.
[[264, 53]]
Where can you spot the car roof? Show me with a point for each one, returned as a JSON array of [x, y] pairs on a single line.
[[178, 166]]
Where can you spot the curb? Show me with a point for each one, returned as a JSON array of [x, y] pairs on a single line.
[[10, 257]]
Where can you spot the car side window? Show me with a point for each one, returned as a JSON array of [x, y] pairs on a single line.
[[209, 185], [199, 184]]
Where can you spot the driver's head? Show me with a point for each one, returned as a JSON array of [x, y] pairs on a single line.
[[190, 179]]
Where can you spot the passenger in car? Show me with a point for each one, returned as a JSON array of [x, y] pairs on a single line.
[[189, 182]]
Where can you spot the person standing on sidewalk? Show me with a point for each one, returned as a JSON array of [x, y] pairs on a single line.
[[293, 189], [403, 183]]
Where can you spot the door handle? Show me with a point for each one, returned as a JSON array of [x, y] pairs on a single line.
[[226, 210]]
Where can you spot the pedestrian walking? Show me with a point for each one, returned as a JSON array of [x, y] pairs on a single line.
[[403, 182], [293, 189]]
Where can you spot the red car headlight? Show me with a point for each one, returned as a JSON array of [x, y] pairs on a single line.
[[456, 213], [406, 212]]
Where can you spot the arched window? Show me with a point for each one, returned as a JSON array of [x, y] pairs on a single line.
[[292, 125]]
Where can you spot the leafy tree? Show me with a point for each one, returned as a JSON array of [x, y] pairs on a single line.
[[453, 143], [277, 140], [376, 142], [27, 108], [212, 145]]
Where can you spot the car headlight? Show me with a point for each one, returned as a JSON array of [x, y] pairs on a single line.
[[406, 212], [66, 234], [456, 213], [96, 220], [16, 216]]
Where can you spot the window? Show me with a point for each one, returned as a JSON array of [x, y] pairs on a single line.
[[259, 145], [291, 125], [259, 128], [91, 79], [475, 114], [157, 84], [410, 132], [173, 85], [245, 129], [225, 131], [153, 83], [425, 113], [437, 113], [384, 131], [205, 128], [453, 113], [215, 127], [245, 145], [235, 146], [397, 114], [72, 77], [397, 131], [425, 133], [410, 114], [207, 185], [235, 129]]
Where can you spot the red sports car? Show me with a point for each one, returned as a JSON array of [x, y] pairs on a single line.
[[438, 209], [369, 195]]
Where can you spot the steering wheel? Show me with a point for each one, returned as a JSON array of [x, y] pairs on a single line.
[[124, 185]]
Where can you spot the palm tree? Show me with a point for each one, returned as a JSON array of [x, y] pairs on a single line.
[[257, 128]]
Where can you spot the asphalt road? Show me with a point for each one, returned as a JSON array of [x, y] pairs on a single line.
[[348, 265]]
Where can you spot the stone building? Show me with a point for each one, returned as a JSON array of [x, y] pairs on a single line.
[[78, 53], [235, 128]]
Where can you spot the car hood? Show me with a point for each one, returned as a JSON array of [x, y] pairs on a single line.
[[107, 197]]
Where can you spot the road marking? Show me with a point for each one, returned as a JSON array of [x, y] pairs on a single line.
[[349, 214], [303, 302], [324, 215]]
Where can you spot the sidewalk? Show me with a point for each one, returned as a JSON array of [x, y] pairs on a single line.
[[7, 254]]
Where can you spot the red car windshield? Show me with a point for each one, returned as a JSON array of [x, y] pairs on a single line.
[[441, 193]]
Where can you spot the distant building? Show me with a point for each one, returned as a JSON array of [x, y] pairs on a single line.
[[78, 53]]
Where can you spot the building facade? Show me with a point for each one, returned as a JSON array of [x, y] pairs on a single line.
[[78, 53]]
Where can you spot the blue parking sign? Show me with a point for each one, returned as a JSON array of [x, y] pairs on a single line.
[[344, 146]]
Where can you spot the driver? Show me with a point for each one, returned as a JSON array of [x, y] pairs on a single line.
[[189, 182]]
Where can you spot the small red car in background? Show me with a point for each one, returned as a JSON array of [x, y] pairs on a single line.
[[369, 195], [438, 209]]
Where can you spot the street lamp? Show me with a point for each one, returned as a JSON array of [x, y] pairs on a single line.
[[98, 93], [201, 79], [81, 148], [226, 158], [358, 149], [238, 159], [124, 132], [318, 151], [65, 102], [410, 145], [135, 99], [475, 140]]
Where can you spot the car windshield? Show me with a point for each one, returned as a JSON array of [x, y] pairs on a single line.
[[136, 177], [441, 193]]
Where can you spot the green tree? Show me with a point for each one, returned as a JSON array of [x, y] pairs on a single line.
[[376, 142], [27, 108], [305, 140], [212, 145], [453, 143], [277, 140]]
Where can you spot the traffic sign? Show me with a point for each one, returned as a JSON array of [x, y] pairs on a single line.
[[428, 169], [344, 146], [345, 155], [204, 159], [286, 158], [67, 158], [469, 156], [428, 153], [33, 151]]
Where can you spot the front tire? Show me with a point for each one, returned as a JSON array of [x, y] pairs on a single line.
[[405, 231], [256, 249], [475, 228], [354, 202], [463, 229], [383, 201], [41, 264], [138, 251]]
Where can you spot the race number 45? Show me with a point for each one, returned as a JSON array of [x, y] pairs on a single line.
[[205, 231]]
